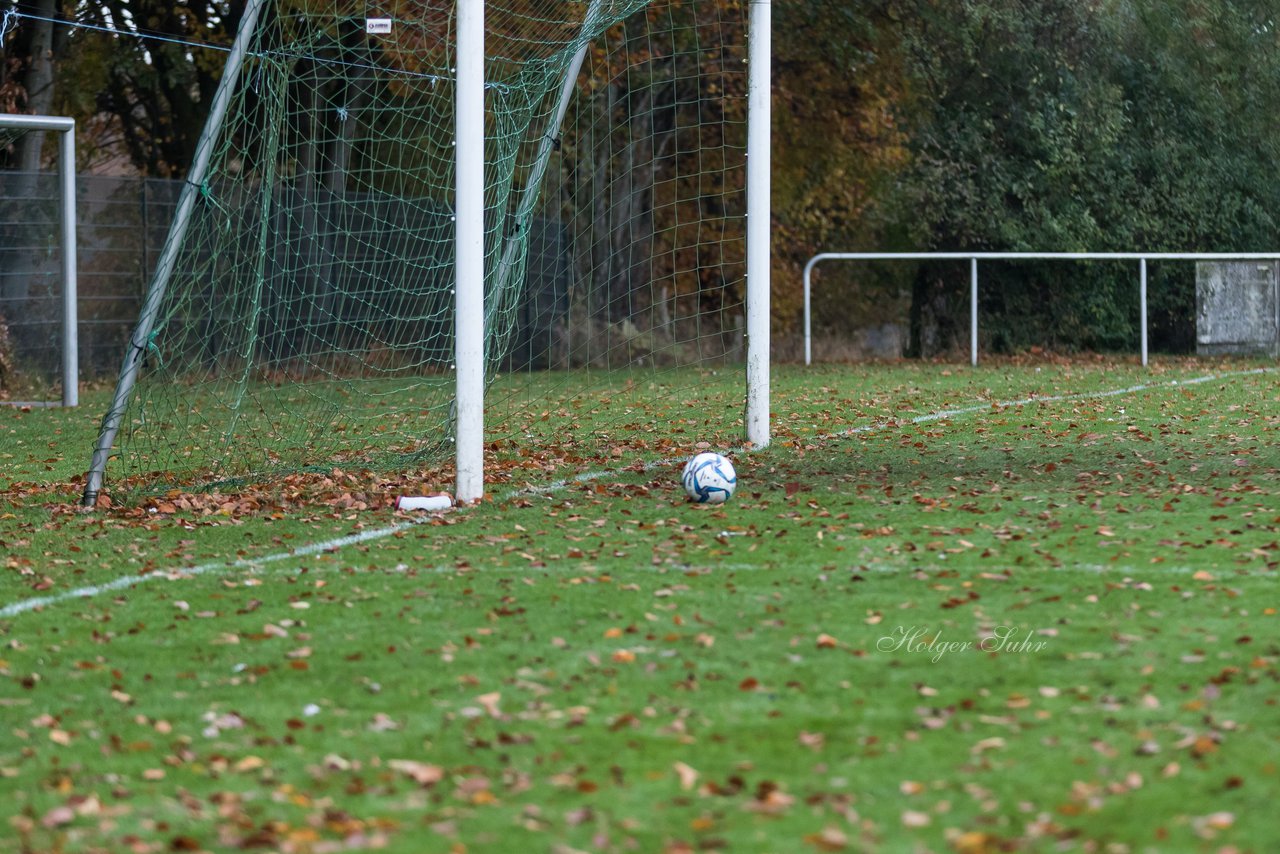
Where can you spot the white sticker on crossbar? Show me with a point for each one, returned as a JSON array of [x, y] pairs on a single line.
[[377, 26]]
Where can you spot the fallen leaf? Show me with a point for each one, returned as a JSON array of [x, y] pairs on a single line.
[[490, 703], [812, 740], [773, 802], [912, 818], [250, 763], [58, 816], [828, 839], [422, 773], [1203, 746], [688, 776], [993, 743]]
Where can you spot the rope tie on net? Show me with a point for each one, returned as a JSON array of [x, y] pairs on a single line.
[[7, 23]]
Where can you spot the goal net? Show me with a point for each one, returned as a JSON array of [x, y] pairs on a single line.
[[302, 314]]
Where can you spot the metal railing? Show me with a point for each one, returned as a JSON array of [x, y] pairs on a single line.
[[974, 257]]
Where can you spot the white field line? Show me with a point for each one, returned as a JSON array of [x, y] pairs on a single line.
[[14, 609], [944, 414], [940, 415]]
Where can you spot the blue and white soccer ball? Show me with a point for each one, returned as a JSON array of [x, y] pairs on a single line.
[[709, 478]]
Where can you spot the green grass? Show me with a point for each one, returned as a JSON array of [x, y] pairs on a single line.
[[604, 666]]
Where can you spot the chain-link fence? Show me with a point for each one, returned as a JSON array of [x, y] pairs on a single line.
[[121, 226], [121, 223]]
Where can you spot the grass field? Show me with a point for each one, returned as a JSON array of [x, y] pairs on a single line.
[[1024, 607]]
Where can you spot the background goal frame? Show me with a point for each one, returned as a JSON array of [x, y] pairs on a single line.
[[65, 127]]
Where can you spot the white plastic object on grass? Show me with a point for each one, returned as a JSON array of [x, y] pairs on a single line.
[[423, 502]]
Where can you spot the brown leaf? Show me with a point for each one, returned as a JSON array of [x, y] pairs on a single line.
[[490, 703], [688, 776], [828, 839], [973, 842], [250, 763], [772, 802], [421, 773], [812, 740], [58, 816], [1203, 746]]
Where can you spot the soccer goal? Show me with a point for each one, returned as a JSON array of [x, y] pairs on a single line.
[[18, 292], [412, 231]]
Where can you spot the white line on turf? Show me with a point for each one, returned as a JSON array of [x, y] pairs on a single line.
[[944, 414], [14, 609], [940, 415]]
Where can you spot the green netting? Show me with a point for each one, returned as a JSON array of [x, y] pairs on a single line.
[[309, 318]]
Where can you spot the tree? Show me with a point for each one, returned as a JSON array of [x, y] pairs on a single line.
[[157, 89], [1011, 138], [27, 80], [1060, 125], [838, 147], [27, 85]]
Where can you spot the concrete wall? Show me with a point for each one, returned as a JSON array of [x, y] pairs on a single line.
[[1238, 308]]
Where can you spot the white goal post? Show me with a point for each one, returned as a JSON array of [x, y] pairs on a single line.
[[66, 129]]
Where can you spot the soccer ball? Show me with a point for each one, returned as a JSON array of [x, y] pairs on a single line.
[[709, 478]]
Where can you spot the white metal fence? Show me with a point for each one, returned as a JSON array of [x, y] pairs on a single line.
[[974, 257]]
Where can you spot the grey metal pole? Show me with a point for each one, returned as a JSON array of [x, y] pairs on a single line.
[[70, 318], [1142, 306], [138, 342], [65, 127], [973, 311], [808, 333]]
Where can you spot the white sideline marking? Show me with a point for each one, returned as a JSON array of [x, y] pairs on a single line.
[[16, 608], [940, 415], [1055, 398]]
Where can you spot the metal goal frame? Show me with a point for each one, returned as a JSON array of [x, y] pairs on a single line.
[[66, 130]]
